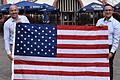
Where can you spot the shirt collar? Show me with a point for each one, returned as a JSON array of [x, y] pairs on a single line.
[[111, 18], [13, 19]]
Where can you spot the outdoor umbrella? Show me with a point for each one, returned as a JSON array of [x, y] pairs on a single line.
[[117, 6], [4, 8], [92, 8], [29, 6]]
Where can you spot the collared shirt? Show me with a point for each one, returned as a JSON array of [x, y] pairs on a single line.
[[113, 31], [9, 30]]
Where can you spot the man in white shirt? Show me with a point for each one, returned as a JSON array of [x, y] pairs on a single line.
[[113, 33], [9, 28]]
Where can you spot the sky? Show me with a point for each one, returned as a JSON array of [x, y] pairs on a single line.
[[50, 2]]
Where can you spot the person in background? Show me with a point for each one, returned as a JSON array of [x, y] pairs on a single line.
[[113, 33], [9, 27]]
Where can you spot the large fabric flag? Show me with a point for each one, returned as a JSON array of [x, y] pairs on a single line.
[[49, 52]]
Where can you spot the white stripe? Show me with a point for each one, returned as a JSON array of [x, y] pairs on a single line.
[[52, 77], [68, 60], [82, 32], [83, 51], [61, 68], [82, 41]]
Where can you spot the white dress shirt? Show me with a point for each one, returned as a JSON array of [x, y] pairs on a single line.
[[113, 31], [9, 28]]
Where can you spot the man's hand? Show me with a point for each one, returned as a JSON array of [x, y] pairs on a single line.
[[102, 25], [10, 56], [110, 55], [18, 21]]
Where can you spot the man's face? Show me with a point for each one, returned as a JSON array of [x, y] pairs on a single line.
[[14, 12], [108, 11]]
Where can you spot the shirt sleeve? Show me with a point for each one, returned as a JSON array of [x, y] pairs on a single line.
[[25, 19], [6, 38], [116, 37], [98, 23]]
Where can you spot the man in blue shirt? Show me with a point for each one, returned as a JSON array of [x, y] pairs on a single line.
[[113, 33], [9, 28]]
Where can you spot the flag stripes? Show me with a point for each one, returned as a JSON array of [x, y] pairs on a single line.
[[81, 54]]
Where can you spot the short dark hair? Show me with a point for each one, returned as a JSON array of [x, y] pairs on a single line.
[[108, 5]]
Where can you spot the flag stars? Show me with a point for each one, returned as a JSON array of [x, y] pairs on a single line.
[[42, 50], [18, 25], [39, 27], [53, 47], [49, 31], [25, 32], [28, 35], [25, 26], [38, 52], [45, 52], [31, 45], [28, 29], [18, 38], [31, 52], [50, 37], [24, 51], [53, 34], [46, 34], [35, 43], [42, 37], [24, 38], [24, 45], [28, 48], [34, 49], [21, 48], [17, 50], [38, 39], [46, 28], [53, 40], [22, 29], [21, 41], [52, 53], [46, 40], [43, 31], [31, 39], [28, 42], [49, 44], [32, 26], [32, 33], [53, 28], [42, 43], [18, 44], [38, 46], [21, 35], [18, 31], [49, 50], [45, 46]]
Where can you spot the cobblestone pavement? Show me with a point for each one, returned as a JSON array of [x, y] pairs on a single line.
[[5, 71]]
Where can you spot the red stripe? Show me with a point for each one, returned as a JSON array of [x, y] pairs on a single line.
[[95, 64], [62, 73], [82, 55], [77, 46], [85, 28], [76, 37]]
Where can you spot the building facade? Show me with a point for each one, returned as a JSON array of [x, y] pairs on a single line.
[[68, 9]]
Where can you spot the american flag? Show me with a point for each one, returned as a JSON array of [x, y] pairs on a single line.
[[49, 52]]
